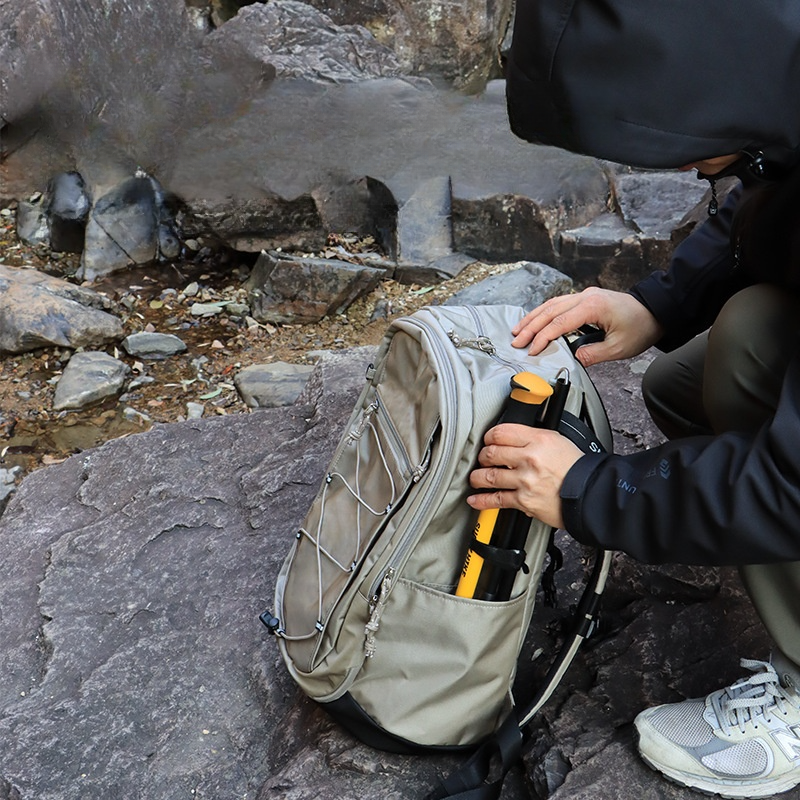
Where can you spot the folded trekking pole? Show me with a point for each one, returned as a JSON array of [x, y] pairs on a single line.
[[497, 551]]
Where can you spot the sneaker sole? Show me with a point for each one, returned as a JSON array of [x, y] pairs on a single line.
[[731, 790]]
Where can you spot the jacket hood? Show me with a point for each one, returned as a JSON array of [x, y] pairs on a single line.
[[658, 84]]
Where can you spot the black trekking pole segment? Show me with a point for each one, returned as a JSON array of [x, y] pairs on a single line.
[[497, 551]]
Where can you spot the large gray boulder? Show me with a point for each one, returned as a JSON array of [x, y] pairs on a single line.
[[37, 310], [134, 664], [459, 42], [296, 40], [509, 200], [527, 284]]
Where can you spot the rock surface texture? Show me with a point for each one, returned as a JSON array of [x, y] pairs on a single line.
[[296, 40], [456, 41], [305, 289], [134, 664]]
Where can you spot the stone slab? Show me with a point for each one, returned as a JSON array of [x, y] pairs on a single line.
[[527, 284], [285, 289], [89, 377], [134, 664], [271, 385]]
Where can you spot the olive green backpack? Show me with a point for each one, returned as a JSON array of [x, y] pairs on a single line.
[[365, 613]]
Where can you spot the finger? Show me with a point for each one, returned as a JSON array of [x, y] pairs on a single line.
[[501, 457], [501, 441], [493, 478], [532, 324], [541, 312], [565, 314], [591, 354], [486, 500], [570, 319], [607, 350]]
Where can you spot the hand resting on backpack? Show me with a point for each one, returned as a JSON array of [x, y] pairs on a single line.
[[524, 467], [629, 326]]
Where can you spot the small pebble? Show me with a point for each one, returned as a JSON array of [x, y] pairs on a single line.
[[194, 410]]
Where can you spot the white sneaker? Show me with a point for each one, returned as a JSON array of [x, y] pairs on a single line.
[[743, 741]]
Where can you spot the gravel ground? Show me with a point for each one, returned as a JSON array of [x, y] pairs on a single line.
[[154, 298]]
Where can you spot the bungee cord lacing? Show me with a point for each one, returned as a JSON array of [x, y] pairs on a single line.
[[365, 425]]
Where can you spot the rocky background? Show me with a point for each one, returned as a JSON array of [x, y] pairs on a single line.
[[212, 208]]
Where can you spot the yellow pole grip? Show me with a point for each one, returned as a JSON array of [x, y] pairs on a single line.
[[473, 563]]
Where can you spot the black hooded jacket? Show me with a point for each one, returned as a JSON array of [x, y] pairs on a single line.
[[656, 85]]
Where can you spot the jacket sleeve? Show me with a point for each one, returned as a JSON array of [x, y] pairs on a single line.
[[728, 499], [702, 275]]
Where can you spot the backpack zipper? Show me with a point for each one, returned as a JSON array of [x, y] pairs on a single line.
[[398, 448], [448, 439], [483, 342]]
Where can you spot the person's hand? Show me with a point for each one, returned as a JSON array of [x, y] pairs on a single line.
[[629, 327], [523, 468]]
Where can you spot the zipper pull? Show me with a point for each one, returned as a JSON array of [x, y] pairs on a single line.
[[358, 431], [378, 604], [482, 343], [421, 469], [713, 204]]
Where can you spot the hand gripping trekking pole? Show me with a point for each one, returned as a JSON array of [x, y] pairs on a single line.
[[497, 551]]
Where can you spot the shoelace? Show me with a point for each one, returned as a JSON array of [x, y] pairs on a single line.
[[750, 697]]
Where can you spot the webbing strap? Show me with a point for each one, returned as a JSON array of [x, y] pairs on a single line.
[[549, 575], [470, 781], [501, 557]]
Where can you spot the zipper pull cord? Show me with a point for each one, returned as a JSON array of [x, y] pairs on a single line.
[[371, 628], [483, 343], [713, 204], [358, 430]]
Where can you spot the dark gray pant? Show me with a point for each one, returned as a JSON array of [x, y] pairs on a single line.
[[729, 379]]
